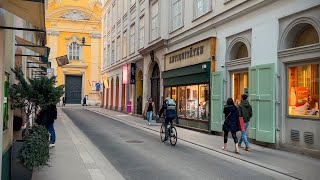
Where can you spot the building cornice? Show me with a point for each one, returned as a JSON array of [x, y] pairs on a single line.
[[155, 46], [120, 64]]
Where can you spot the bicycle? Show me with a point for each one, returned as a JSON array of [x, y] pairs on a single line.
[[172, 133]]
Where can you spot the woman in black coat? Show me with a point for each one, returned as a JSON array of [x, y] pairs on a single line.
[[230, 124]]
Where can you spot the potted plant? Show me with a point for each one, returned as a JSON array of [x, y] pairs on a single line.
[[28, 96]]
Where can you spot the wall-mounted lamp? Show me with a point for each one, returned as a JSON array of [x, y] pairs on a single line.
[[204, 66]]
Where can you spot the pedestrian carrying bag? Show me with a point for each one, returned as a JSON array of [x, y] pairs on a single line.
[[241, 124]]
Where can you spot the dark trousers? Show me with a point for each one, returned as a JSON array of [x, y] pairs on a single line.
[[166, 122], [234, 136]]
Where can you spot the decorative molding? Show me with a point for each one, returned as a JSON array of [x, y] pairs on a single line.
[[63, 9], [74, 15], [237, 62], [74, 38], [95, 35], [313, 48], [53, 33], [231, 48]]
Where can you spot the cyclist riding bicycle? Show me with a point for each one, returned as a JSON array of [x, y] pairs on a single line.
[[168, 109]]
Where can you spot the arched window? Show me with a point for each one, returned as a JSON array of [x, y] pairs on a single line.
[[74, 51]]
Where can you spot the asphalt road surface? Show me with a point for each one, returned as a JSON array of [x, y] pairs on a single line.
[[140, 155]]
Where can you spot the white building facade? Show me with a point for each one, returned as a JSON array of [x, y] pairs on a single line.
[[204, 51]]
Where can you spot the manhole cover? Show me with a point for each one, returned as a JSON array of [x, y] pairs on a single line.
[[134, 141]]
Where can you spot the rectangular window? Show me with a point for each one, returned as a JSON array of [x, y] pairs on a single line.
[[132, 2], [167, 92], [119, 9], [132, 42], [155, 21], [176, 11], [303, 90], [114, 13], [73, 51], [125, 6], [192, 107], [141, 32], [201, 7], [112, 52], [118, 49], [125, 44], [182, 101], [204, 101], [108, 55]]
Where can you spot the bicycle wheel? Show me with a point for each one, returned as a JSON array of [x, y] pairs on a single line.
[[173, 136], [162, 132]]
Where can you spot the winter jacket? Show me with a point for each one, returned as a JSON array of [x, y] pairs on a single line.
[[231, 121], [245, 111]]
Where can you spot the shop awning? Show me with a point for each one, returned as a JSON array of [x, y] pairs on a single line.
[[33, 11], [41, 50]]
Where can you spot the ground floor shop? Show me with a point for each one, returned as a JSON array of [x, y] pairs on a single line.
[[283, 90]]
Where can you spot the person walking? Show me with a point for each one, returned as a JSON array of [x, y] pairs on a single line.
[[149, 109], [230, 124], [46, 118], [84, 102], [245, 111]]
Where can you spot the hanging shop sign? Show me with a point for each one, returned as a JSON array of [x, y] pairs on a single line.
[[190, 55], [133, 73]]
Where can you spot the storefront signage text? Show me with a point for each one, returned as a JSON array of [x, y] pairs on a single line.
[[187, 54]]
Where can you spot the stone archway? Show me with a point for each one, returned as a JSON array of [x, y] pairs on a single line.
[[155, 85], [139, 92], [117, 94]]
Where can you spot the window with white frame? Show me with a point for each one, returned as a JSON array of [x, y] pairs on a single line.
[[141, 32], [132, 42], [112, 52], [118, 48], [201, 7], [125, 44], [114, 13], [119, 9], [108, 55], [176, 11], [125, 6], [104, 57], [155, 20], [132, 2], [74, 51]]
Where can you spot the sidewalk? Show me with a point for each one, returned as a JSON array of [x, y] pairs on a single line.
[[294, 165], [74, 156]]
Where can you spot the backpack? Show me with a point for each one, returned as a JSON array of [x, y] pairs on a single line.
[[171, 104]]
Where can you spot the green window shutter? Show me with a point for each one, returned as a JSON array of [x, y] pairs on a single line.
[[5, 105], [216, 101], [262, 97]]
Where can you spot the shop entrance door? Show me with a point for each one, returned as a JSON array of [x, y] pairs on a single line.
[[262, 99], [239, 86], [155, 86]]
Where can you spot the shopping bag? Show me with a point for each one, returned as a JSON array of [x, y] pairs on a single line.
[[241, 124]]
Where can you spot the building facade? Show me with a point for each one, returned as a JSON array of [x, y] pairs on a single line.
[[255, 48], [68, 26], [20, 29]]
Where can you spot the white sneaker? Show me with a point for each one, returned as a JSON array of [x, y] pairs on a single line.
[[149, 124], [52, 145]]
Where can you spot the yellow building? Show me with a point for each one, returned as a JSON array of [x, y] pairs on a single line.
[[67, 23]]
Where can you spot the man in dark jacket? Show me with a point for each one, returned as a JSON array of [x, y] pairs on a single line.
[[46, 118], [245, 111]]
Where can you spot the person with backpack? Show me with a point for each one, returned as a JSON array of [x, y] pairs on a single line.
[[169, 110], [245, 111], [149, 109], [230, 124]]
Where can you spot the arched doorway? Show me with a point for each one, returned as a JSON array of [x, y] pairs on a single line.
[[117, 94], [139, 92], [112, 94], [155, 86], [107, 94]]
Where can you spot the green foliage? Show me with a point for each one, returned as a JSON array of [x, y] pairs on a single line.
[[35, 150], [34, 93]]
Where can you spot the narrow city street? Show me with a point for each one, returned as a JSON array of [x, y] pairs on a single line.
[[138, 154]]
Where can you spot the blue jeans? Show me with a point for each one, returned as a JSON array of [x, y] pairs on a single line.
[[244, 135], [149, 116], [52, 133]]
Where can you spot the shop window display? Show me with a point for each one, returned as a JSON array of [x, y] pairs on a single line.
[[303, 90], [192, 101], [239, 86]]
